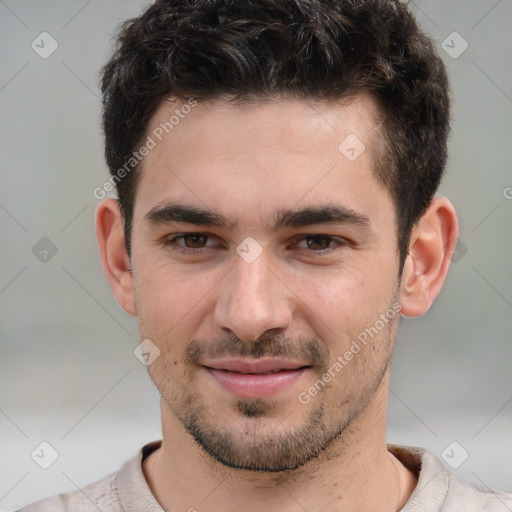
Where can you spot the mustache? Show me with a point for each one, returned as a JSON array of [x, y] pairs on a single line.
[[307, 350]]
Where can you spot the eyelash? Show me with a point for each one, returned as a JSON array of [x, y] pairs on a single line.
[[172, 243]]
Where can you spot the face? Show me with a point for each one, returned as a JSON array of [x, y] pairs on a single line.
[[265, 267]]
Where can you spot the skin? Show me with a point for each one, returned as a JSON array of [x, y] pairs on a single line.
[[305, 298]]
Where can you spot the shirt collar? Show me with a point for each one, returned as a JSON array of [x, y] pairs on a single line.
[[134, 492], [433, 478], [429, 494]]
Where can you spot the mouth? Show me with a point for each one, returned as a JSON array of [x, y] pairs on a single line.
[[256, 378]]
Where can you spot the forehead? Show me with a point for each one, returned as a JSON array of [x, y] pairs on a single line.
[[258, 124], [240, 157]]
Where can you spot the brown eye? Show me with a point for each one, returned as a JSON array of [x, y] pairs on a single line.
[[190, 243], [318, 243], [195, 240]]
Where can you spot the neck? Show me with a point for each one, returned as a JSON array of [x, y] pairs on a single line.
[[356, 472]]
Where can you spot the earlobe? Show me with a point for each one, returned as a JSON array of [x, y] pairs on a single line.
[[114, 258], [432, 244]]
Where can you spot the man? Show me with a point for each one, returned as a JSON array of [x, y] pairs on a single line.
[[276, 164]]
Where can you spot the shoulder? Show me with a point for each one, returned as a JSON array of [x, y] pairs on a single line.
[[125, 489], [470, 497], [438, 490], [100, 495]]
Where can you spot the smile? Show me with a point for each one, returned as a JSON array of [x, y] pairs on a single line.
[[257, 378]]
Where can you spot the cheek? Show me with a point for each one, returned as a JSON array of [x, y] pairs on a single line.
[[339, 305], [172, 303]]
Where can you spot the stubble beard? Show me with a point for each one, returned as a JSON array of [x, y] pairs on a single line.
[[254, 446]]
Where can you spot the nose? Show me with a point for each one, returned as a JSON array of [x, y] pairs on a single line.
[[252, 300]]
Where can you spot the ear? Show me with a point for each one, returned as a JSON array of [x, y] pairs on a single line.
[[114, 258], [432, 244]]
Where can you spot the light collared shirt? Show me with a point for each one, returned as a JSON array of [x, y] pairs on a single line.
[[126, 490]]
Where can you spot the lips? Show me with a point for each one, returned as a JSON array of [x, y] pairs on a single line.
[[258, 366], [255, 378]]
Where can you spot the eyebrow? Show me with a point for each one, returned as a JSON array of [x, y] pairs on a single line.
[[326, 214]]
